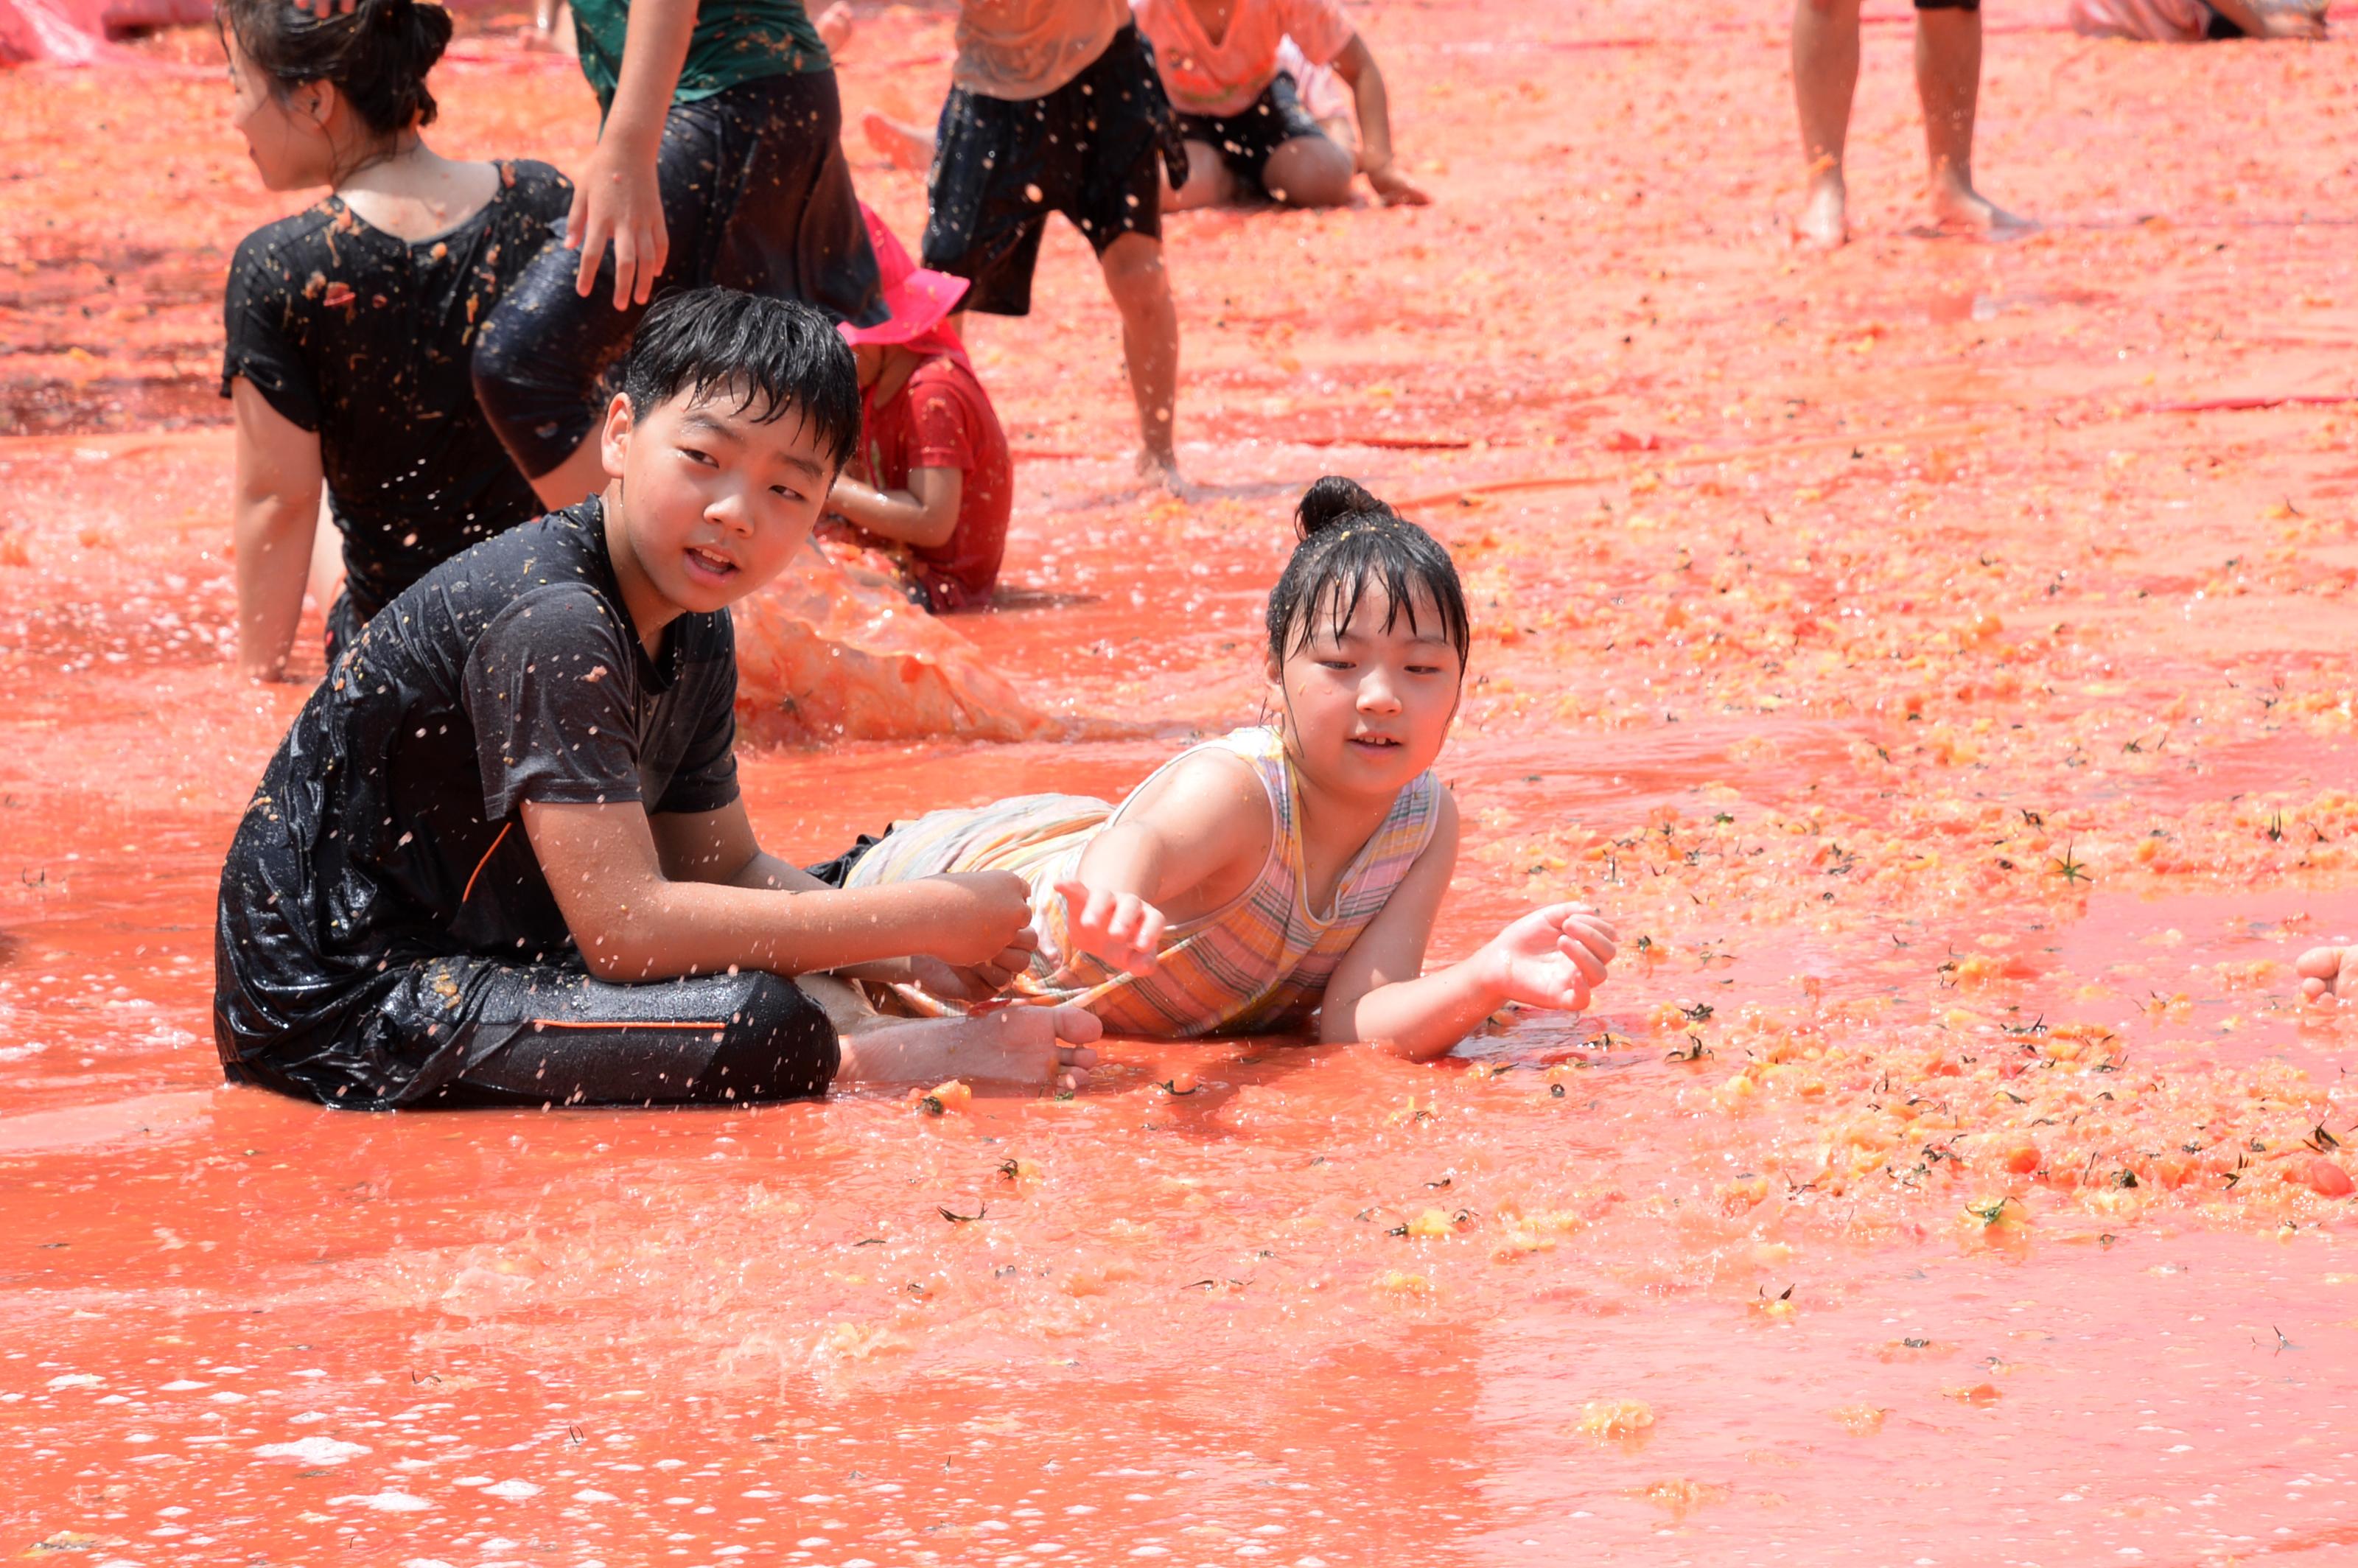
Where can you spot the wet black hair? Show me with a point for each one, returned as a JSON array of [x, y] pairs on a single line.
[[1351, 541], [377, 57], [777, 355]]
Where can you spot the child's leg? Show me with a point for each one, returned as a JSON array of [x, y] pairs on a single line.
[[1209, 183], [1826, 74], [542, 1035], [1019, 1045], [1150, 343], [1308, 171], [1948, 79]]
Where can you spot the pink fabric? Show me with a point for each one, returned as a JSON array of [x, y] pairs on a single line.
[[2153, 21], [1205, 77]]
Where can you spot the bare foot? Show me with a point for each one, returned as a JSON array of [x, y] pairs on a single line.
[[1961, 209], [904, 146], [1015, 1044], [1822, 224], [1162, 469], [835, 26], [2327, 973]]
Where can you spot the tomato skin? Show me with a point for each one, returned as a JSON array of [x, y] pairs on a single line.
[[2328, 1179], [2021, 1159]]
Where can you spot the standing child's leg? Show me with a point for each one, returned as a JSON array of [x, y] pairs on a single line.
[[1150, 342], [1948, 79], [1825, 75]]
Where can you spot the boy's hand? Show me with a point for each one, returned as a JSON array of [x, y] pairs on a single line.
[[617, 200], [1121, 930], [986, 920], [1394, 187], [1551, 957]]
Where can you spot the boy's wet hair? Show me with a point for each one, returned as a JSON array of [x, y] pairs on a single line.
[[1351, 542], [377, 57], [771, 356]]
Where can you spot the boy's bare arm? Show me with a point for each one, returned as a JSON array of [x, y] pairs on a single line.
[[619, 198], [278, 514], [632, 922], [925, 515], [719, 847]]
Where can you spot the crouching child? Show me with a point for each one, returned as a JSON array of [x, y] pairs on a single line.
[[501, 856]]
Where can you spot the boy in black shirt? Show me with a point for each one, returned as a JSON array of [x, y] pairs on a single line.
[[388, 937]]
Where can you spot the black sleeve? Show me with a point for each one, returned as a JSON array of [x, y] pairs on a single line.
[[547, 686], [256, 315], [707, 779]]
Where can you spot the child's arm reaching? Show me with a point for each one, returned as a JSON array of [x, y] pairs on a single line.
[[1357, 66], [1189, 830], [718, 847], [619, 198], [633, 921], [1550, 957]]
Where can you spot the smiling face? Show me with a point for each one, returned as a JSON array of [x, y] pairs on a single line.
[[286, 136], [1367, 706], [713, 500]]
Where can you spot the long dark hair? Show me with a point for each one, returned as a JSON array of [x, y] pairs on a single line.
[[377, 57], [1350, 541]]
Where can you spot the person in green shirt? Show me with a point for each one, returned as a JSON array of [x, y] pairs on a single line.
[[720, 161]]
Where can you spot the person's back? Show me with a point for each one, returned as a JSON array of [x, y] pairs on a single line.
[[350, 326]]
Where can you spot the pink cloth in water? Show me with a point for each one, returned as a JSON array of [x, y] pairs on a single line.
[[2152, 21]]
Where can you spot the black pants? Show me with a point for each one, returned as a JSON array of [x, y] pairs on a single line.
[[479, 1032], [755, 196]]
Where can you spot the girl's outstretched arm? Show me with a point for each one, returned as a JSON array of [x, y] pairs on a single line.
[[1550, 957]]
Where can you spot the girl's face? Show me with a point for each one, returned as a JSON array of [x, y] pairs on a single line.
[[286, 136], [1368, 707]]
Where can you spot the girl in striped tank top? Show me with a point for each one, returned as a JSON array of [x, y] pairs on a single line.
[[1284, 872]]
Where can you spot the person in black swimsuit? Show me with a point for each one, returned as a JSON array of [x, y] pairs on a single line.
[[351, 326]]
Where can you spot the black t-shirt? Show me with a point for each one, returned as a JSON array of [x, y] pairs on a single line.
[[385, 829], [366, 338]]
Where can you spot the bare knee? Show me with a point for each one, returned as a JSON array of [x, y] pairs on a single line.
[[1134, 274], [1308, 171]]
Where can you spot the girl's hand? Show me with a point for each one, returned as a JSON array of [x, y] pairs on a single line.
[[1121, 930], [1551, 957], [619, 201]]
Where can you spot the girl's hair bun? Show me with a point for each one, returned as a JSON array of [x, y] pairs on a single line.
[[377, 57], [1332, 501]]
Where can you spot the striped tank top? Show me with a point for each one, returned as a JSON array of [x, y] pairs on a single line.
[[1258, 964]]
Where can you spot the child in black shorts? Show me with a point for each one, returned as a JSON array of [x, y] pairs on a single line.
[[349, 325], [720, 162], [501, 858], [1055, 106]]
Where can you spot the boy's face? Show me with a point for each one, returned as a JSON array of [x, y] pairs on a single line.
[[714, 500]]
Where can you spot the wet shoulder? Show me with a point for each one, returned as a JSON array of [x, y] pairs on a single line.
[[536, 191], [283, 257]]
